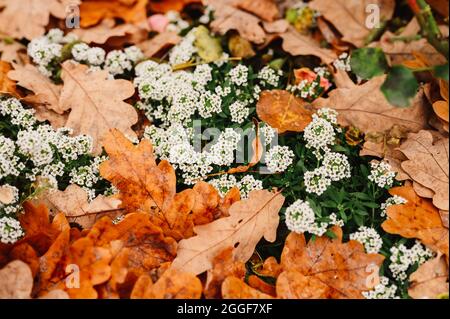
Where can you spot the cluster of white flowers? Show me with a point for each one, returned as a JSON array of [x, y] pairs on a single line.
[[183, 51], [304, 89], [317, 181], [118, 62], [222, 152], [10, 230], [246, 185], [87, 176], [47, 49], [269, 76], [382, 291], [176, 23], [394, 200], [206, 17], [336, 166], [239, 75], [10, 164], [381, 174], [267, 133], [279, 158], [402, 258], [343, 62], [19, 115], [95, 56], [239, 112], [300, 218], [320, 133], [369, 237]]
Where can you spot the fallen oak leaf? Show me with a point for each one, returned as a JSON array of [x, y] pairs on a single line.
[[428, 164], [223, 266], [430, 279], [249, 221], [14, 53], [46, 93], [365, 107], [158, 43], [350, 16], [283, 111], [73, 202], [264, 9], [332, 269], [92, 12], [16, 281], [417, 218], [96, 103], [28, 18], [171, 285], [235, 288], [164, 6]]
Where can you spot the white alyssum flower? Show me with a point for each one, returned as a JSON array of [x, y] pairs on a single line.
[[336, 166], [394, 200], [381, 174], [183, 51], [239, 112], [210, 104], [19, 115], [402, 258], [316, 181], [267, 133], [43, 52], [369, 237], [328, 114], [87, 176], [239, 75], [300, 217], [222, 152], [117, 62], [134, 54], [80, 52], [9, 162], [382, 291], [10, 230], [224, 183], [279, 158], [319, 134], [269, 76], [248, 184], [96, 56]]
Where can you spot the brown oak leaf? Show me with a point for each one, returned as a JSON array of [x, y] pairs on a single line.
[[6, 85], [365, 107], [430, 279], [235, 288], [96, 103], [350, 16], [427, 164], [249, 221], [265, 9]]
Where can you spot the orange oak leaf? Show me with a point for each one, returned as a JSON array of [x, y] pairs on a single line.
[[427, 164], [249, 221], [283, 111], [171, 285], [223, 266], [235, 288], [28, 18], [92, 12], [331, 269], [257, 283], [96, 103], [27, 254], [418, 218], [158, 43]]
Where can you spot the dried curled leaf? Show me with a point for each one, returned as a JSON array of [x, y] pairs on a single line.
[[249, 221], [418, 218], [96, 103], [6, 85], [283, 111]]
